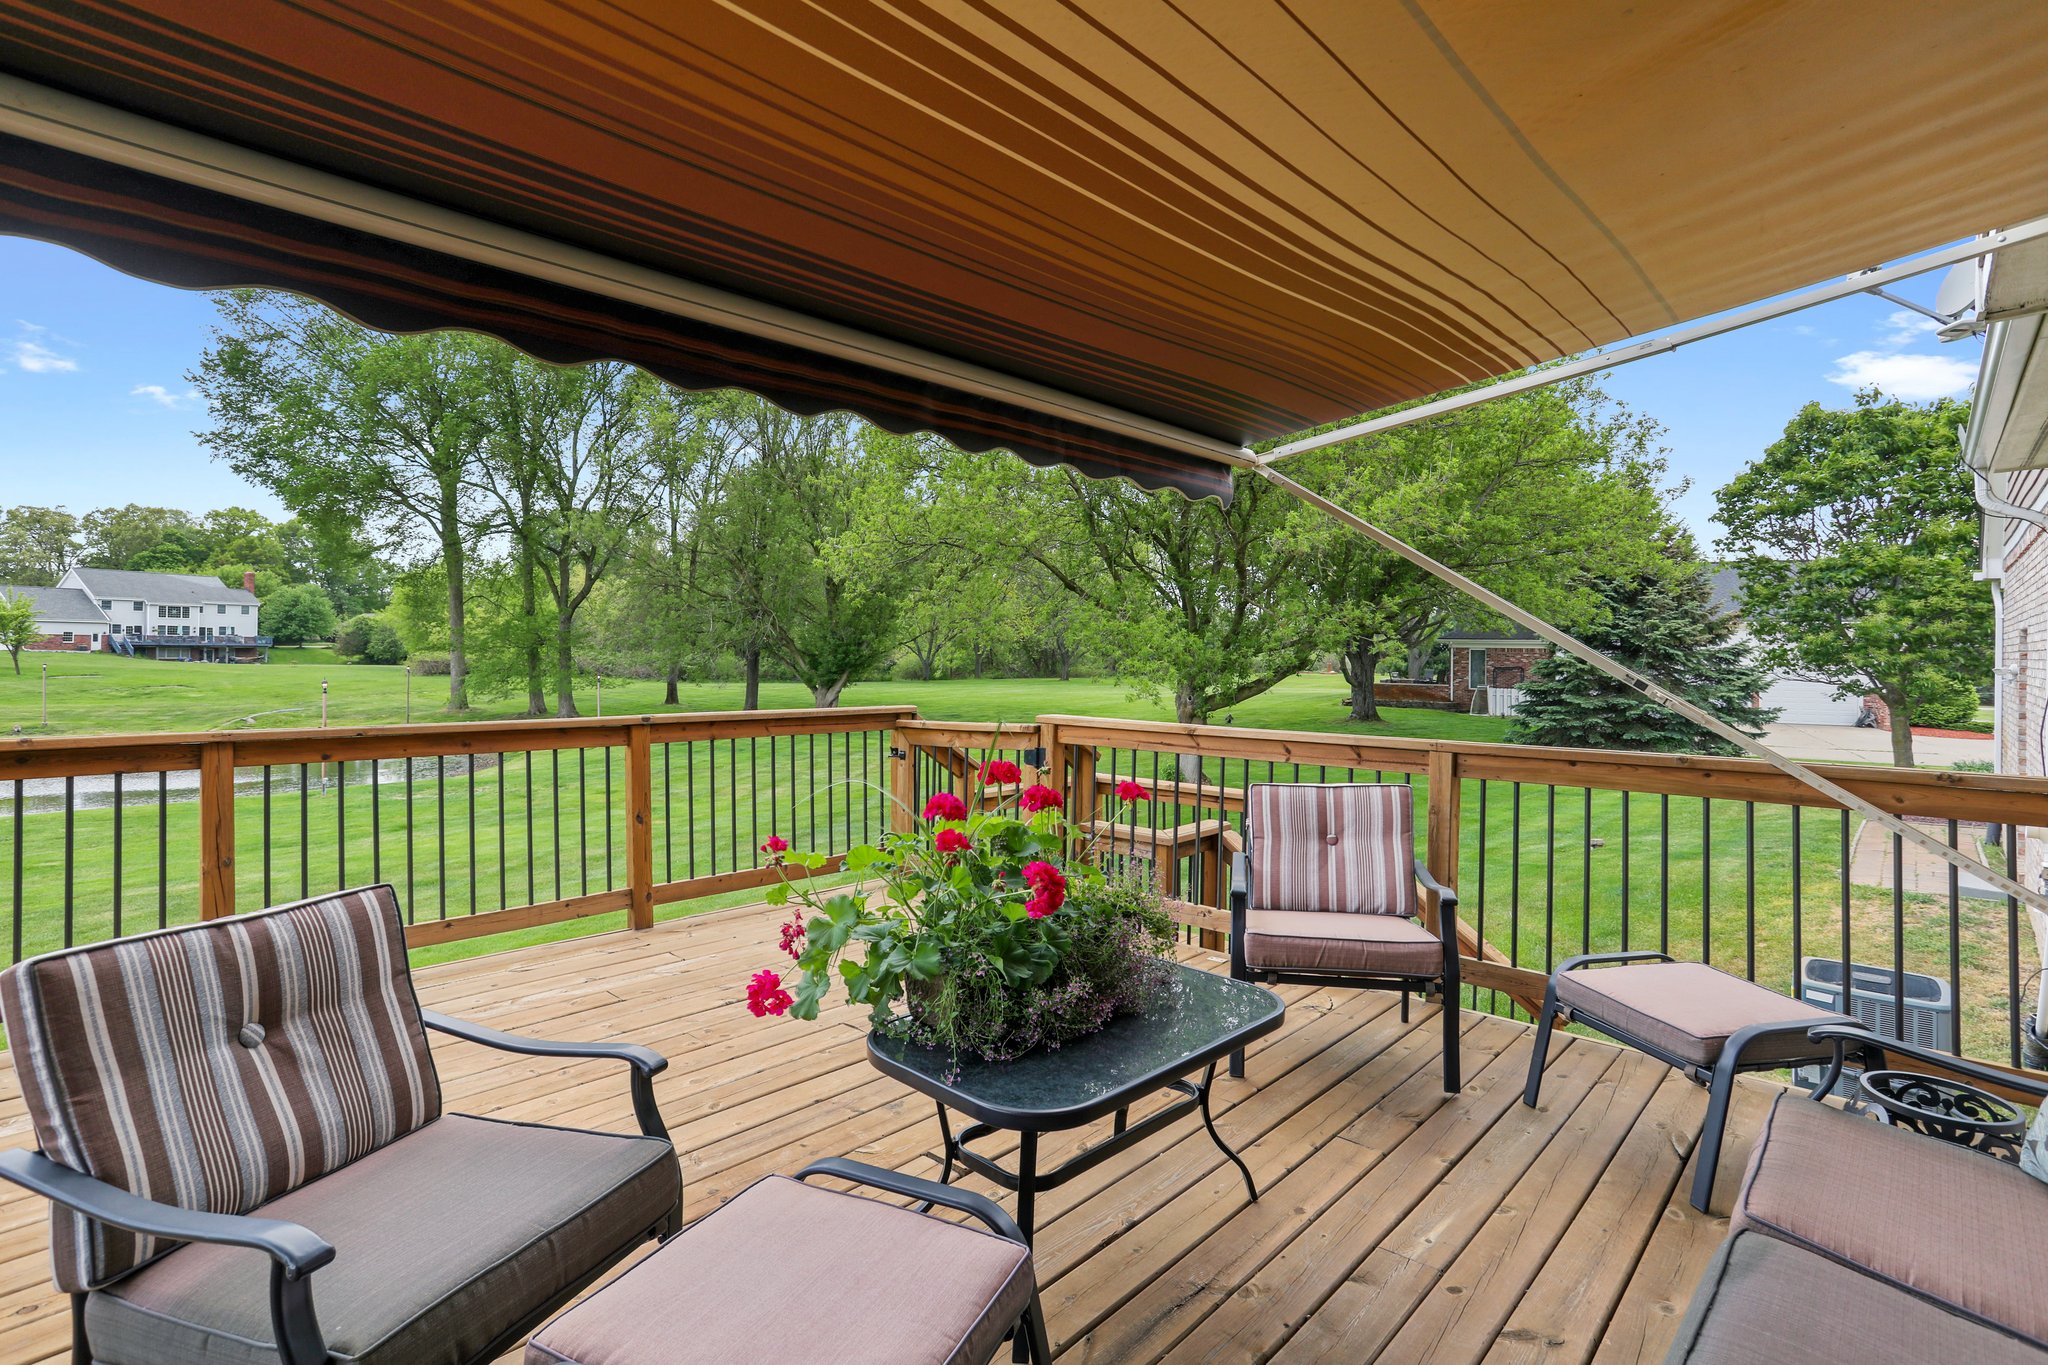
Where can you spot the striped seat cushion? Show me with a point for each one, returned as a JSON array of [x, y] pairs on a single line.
[[1339, 846], [219, 1065]]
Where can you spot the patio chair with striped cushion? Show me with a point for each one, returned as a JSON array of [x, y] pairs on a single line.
[[1326, 894], [256, 1088]]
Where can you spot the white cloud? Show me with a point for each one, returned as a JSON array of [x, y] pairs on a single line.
[[1914, 378], [157, 393], [36, 358], [1903, 328]]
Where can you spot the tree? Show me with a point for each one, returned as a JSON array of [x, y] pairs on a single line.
[[37, 544], [18, 628], [298, 613], [1856, 537], [355, 430], [369, 639], [1534, 495], [1663, 625], [116, 537]]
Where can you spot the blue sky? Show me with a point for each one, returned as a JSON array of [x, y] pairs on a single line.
[[95, 408]]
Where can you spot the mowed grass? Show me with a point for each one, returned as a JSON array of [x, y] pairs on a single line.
[[98, 694]]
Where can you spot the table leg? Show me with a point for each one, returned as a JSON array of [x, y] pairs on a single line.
[[1123, 1118], [946, 1143], [1027, 1201], [1209, 1122]]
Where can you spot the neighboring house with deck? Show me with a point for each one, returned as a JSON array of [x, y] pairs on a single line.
[[67, 618], [177, 616]]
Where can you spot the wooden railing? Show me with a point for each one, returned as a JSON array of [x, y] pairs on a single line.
[[487, 827]]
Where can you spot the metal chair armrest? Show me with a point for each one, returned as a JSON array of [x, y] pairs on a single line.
[[1572, 964], [645, 1061], [914, 1187], [1848, 1036], [1446, 896]]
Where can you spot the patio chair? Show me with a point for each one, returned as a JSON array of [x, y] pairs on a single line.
[[259, 1088], [1698, 1019], [1325, 894], [1852, 1239], [884, 1282]]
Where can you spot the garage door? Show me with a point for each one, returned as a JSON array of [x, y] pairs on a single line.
[[1810, 703]]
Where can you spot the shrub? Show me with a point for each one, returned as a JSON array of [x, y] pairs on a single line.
[[430, 665], [352, 636], [1949, 703]]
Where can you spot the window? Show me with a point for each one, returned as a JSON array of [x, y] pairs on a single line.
[[68, 638], [1475, 668], [138, 606], [135, 630], [245, 611], [106, 604], [222, 609]]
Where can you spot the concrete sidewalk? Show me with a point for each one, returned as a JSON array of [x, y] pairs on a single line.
[[1852, 744]]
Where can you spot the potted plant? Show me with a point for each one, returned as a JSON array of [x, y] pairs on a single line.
[[976, 930]]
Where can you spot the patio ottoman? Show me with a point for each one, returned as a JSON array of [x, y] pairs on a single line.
[[787, 1270]]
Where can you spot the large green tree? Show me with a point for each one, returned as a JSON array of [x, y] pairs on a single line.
[[17, 624], [355, 429], [1856, 536], [1663, 624], [37, 544], [1535, 495]]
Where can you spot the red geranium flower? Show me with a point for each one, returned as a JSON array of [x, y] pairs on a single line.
[[1048, 889], [775, 846], [793, 937], [1039, 797], [765, 995], [1128, 790], [945, 806], [952, 841], [1001, 770]]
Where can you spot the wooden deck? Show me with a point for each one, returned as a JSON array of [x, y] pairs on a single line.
[[1395, 1223]]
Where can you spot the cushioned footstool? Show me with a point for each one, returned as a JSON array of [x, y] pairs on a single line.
[[784, 1260], [1708, 1024]]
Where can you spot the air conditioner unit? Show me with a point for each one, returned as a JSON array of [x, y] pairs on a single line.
[[1873, 998]]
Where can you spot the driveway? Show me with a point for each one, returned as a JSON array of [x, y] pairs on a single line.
[[1852, 744]]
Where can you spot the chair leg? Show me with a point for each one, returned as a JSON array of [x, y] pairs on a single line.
[[1404, 1004], [1032, 1328], [1707, 1153], [1237, 1063], [81, 1351], [1453, 1071], [1534, 1089]]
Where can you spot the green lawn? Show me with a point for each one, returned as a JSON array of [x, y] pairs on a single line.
[[95, 694]]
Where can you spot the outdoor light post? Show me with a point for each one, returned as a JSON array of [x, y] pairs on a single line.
[[408, 694], [600, 691], [323, 703], [46, 692]]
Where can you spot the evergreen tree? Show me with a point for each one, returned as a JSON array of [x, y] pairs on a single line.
[[1664, 626]]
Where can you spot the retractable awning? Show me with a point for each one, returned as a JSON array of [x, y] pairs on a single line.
[[1131, 235]]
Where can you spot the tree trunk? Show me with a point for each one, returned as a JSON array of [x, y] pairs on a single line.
[[1902, 733], [529, 604], [828, 695], [672, 697], [458, 658], [750, 698], [1418, 662], [1360, 664], [1190, 708], [565, 645]]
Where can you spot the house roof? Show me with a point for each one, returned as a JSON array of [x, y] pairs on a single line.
[[57, 604], [1129, 238], [167, 589]]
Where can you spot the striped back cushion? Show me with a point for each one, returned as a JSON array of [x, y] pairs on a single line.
[[1347, 847], [219, 1065]]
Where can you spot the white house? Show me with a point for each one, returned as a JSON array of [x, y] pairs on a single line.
[[67, 617], [175, 615]]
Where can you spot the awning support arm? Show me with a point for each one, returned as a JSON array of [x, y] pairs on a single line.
[[1869, 281], [1628, 677]]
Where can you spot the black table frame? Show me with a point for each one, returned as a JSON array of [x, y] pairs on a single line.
[[1029, 1125]]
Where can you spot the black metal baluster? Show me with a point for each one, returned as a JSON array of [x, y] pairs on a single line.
[[668, 815], [70, 861], [163, 850], [305, 832], [1515, 876], [532, 855], [1899, 937], [117, 855], [341, 826], [754, 792], [1749, 891], [1955, 944], [1664, 873], [1798, 895], [811, 773], [1706, 879], [441, 831], [555, 813], [1586, 877], [504, 818], [1479, 917], [1628, 799], [1550, 879], [690, 803], [711, 786], [583, 820], [1848, 981], [20, 855], [608, 820], [268, 899], [411, 901], [377, 820], [2012, 941], [469, 785]]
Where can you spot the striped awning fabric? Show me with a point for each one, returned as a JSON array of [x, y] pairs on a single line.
[[1222, 220]]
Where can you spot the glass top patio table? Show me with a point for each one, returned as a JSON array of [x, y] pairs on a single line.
[[1199, 1018]]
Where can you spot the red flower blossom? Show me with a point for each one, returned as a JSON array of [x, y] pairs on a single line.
[[1001, 770], [945, 806], [765, 995], [793, 937], [952, 841], [775, 846], [1128, 790], [1048, 889], [1038, 797]]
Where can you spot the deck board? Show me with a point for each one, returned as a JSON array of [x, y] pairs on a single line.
[[1395, 1223]]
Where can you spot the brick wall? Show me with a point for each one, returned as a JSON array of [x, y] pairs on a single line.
[[1506, 666], [2023, 627], [81, 644]]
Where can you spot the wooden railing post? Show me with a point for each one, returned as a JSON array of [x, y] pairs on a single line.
[[640, 826], [216, 829], [902, 781], [1446, 796]]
